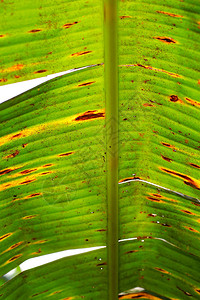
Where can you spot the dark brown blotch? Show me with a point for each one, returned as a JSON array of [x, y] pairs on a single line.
[[14, 257], [87, 83], [47, 165], [187, 212], [34, 195], [16, 245], [40, 71], [28, 181], [3, 79], [186, 293], [173, 98], [27, 171], [13, 154], [81, 53], [195, 166], [154, 199], [5, 236], [131, 251], [125, 17], [68, 25], [166, 158], [90, 114], [16, 136], [102, 264], [166, 40], [189, 181], [6, 171], [65, 154], [101, 230], [167, 145], [35, 30]]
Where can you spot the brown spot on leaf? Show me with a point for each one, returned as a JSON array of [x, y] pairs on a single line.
[[45, 173], [81, 53], [186, 293], [47, 165], [13, 247], [12, 154], [16, 136], [86, 83], [189, 180], [166, 158], [29, 217], [34, 195], [125, 17], [131, 251], [141, 295], [68, 25], [173, 98], [197, 290], [102, 264], [16, 245], [90, 114], [154, 199], [13, 258], [195, 166], [65, 154], [7, 171], [3, 79], [27, 171], [40, 71], [2, 35], [127, 179], [5, 236], [191, 229], [168, 145], [157, 195], [157, 70], [187, 212], [28, 181], [166, 40], [35, 30], [24, 145], [37, 252], [162, 270], [193, 102], [169, 14], [101, 230], [147, 104]]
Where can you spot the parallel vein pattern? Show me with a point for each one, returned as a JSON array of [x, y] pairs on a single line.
[[159, 143]]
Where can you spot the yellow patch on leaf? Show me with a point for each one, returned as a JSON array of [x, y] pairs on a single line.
[[37, 129]]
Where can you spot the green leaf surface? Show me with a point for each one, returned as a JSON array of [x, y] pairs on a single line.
[[38, 38], [58, 151]]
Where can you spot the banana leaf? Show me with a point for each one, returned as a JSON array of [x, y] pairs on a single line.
[[106, 156]]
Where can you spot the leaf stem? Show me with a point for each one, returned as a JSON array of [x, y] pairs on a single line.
[[111, 95]]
